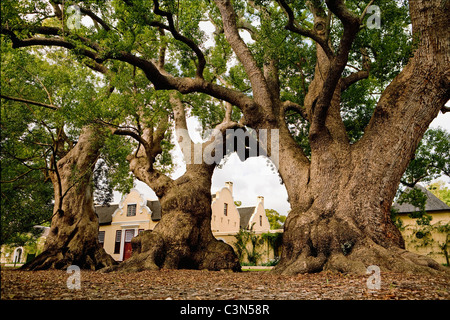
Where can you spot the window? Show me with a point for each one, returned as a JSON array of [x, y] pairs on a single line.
[[101, 237], [129, 234], [140, 231], [225, 209], [131, 210], [117, 243], [260, 221]]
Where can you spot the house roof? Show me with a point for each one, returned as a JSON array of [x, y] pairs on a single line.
[[105, 213], [245, 214], [433, 203], [155, 207]]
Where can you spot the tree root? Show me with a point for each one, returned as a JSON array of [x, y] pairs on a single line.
[[94, 258], [387, 259], [152, 252]]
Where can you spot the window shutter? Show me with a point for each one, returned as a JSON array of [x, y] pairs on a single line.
[[117, 242], [101, 237]]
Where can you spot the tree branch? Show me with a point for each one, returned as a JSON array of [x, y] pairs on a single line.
[[353, 78], [289, 105], [365, 11], [48, 106], [339, 8], [254, 73], [159, 78], [158, 135], [178, 112], [171, 27], [445, 109], [130, 133], [95, 18], [39, 41], [18, 177], [337, 64], [293, 26]]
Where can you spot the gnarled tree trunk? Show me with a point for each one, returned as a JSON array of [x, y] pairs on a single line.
[[182, 239], [342, 221], [73, 236]]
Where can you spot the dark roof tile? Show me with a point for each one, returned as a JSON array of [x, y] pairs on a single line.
[[433, 203], [245, 213], [104, 213]]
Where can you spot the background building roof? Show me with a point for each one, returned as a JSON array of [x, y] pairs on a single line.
[[433, 203], [155, 207], [245, 214], [104, 213]]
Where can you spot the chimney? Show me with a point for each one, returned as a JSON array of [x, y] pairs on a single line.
[[260, 200], [229, 185]]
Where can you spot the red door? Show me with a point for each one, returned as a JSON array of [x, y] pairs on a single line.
[[129, 234]]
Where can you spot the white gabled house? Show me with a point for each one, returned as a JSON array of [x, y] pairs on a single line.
[[121, 222]]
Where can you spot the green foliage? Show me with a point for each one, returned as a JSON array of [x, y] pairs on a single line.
[[26, 198], [274, 241], [25, 202], [398, 222], [132, 29], [29, 134], [244, 239], [241, 243], [426, 236], [429, 162], [441, 191], [431, 158], [389, 47], [275, 219]]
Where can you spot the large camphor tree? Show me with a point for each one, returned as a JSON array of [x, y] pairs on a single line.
[[314, 63]]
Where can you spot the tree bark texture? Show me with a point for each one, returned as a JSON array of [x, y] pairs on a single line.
[[342, 221], [183, 237], [73, 236]]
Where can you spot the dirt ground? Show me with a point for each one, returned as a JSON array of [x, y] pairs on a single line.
[[207, 285]]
